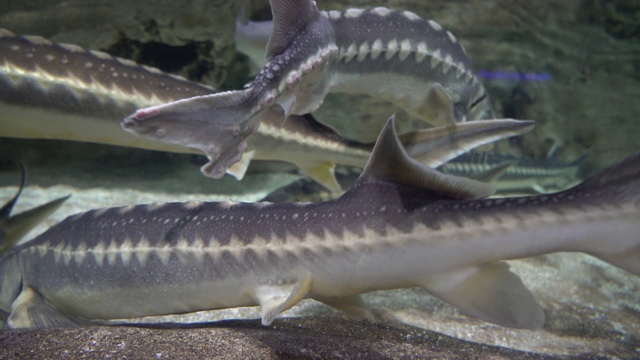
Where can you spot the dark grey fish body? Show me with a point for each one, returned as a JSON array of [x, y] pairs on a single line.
[[56, 91], [516, 174], [398, 56], [60, 91], [402, 225], [395, 55]]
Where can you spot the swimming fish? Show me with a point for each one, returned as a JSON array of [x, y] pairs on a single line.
[[13, 228], [516, 175], [394, 55], [61, 91], [403, 224]]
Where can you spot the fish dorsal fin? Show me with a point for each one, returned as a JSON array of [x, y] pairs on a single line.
[[289, 17], [389, 162], [5, 211]]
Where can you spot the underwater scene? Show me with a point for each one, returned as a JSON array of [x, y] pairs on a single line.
[[268, 179]]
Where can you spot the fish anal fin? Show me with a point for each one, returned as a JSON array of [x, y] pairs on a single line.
[[389, 162], [490, 292], [350, 304], [275, 299], [238, 169], [323, 173], [30, 310], [289, 18]]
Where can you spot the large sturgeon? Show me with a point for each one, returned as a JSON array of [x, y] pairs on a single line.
[[61, 91], [402, 225], [394, 55]]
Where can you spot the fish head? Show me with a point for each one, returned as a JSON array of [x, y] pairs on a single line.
[[216, 124]]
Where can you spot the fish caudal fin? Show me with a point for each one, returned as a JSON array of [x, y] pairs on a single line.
[[217, 124]]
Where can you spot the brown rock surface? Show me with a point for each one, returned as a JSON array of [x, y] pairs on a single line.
[[306, 338]]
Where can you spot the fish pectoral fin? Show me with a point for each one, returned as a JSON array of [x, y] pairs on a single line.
[[323, 173], [275, 299], [438, 108], [349, 304], [490, 292], [286, 103], [238, 169], [29, 310]]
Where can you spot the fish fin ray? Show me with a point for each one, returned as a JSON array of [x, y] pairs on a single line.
[[238, 169], [490, 292], [20, 224], [438, 108], [275, 299], [324, 174], [30, 310], [6, 239], [390, 162], [289, 17]]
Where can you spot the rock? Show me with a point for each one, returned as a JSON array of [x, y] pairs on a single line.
[[311, 338]]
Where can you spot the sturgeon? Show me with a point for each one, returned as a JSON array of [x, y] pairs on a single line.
[[393, 55], [403, 224], [13, 228], [61, 91], [516, 175]]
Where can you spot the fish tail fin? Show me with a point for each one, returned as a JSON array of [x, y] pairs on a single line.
[[216, 124], [617, 190]]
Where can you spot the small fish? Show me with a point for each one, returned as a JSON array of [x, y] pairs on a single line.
[[14, 228], [516, 175], [403, 224], [393, 55]]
